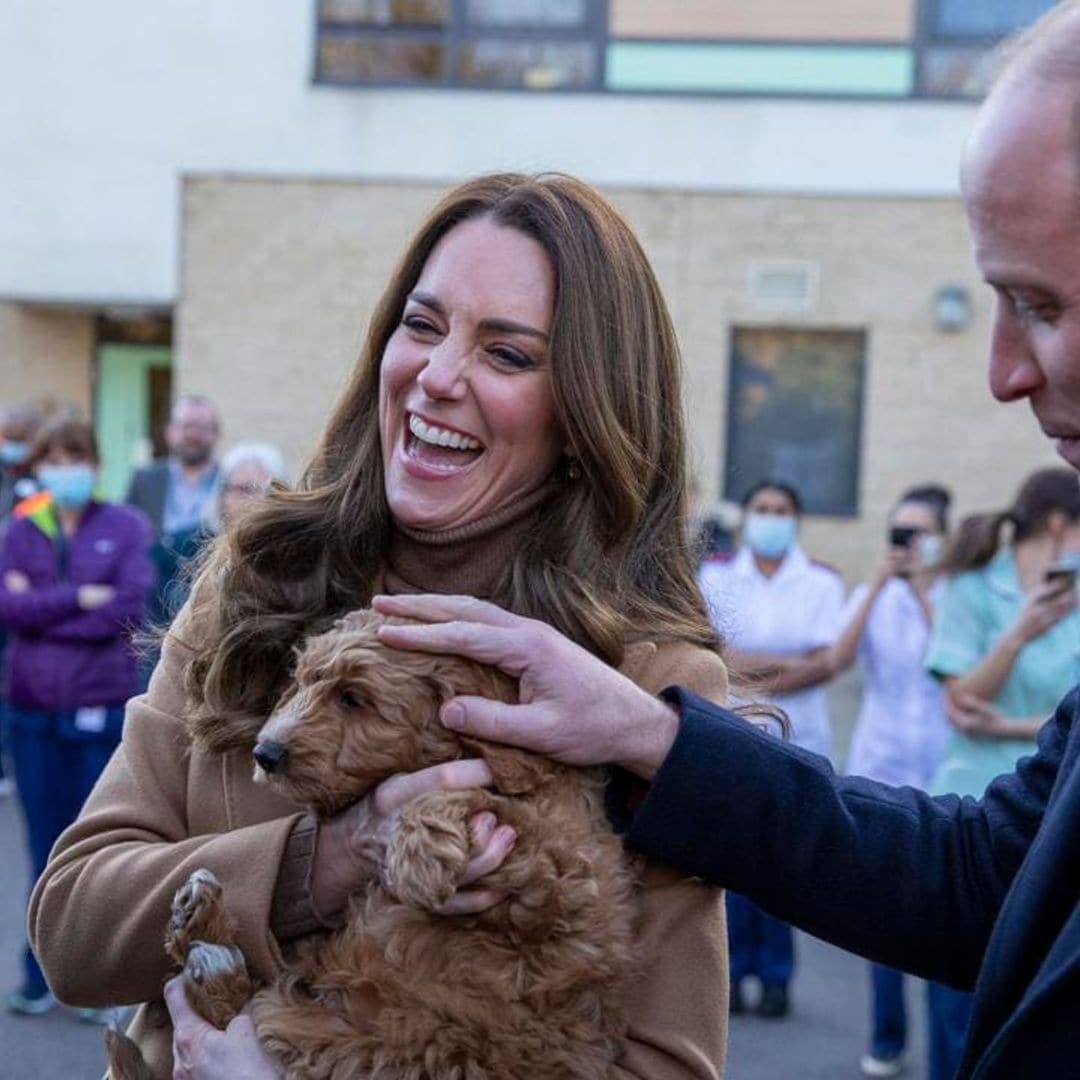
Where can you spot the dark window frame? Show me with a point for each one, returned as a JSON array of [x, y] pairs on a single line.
[[459, 32]]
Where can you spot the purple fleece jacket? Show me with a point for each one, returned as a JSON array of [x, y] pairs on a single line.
[[60, 657]]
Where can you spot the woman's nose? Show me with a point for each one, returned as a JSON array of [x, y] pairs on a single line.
[[443, 375]]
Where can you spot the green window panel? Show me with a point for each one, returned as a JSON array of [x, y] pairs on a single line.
[[860, 70]]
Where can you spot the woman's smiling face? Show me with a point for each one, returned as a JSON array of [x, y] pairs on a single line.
[[466, 412]]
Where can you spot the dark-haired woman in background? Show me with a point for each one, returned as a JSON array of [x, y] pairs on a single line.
[[1006, 644], [779, 612], [74, 577], [901, 730]]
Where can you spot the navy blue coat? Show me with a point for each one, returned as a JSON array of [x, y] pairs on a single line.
[[975, 893]]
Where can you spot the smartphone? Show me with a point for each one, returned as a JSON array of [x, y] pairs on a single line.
[[902, 535], [1063, 574]]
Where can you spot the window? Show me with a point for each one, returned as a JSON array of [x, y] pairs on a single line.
[[957, 53], [795, 414], [500, 44]]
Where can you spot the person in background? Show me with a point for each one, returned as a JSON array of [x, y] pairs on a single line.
[[74, 576], [174, 492], [1006, 645], [780, 614], [245, 474], [18, 425], [901, 730]]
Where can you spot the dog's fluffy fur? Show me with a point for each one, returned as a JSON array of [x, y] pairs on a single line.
[[532, 988]]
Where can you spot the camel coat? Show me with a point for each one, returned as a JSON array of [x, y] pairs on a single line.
[[163, 808]]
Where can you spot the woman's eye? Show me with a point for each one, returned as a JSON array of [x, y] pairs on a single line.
[[349, 699], [419, 324], [512, 358]]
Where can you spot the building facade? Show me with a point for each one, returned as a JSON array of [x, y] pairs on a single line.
[[209, 197]]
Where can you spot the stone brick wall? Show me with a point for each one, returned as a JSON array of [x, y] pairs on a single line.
[[46, 355], [280, 276]]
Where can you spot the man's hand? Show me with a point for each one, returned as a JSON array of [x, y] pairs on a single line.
[[572, 707], [201, 1052]]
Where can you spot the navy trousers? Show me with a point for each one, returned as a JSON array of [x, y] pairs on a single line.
[[949, 1016], [56, 765], [888, 1017], [758, 944]]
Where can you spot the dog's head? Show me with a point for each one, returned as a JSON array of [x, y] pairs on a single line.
[[360, 712]]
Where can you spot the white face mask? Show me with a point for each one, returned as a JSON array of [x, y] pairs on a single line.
[[930, 549]]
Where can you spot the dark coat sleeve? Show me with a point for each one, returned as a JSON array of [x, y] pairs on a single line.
[[891, 873]]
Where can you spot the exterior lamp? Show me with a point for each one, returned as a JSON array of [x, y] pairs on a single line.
[[951, 308]]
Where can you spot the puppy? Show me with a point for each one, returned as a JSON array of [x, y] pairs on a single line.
[[534, 987]]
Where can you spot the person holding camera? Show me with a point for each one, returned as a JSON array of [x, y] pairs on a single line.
[[901, 729], [1006, 646]]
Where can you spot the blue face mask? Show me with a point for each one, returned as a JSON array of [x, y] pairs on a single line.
[[769, 535], [71, 486], [12, 452]]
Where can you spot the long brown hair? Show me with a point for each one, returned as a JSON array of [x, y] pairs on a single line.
[[1043, 493], [608, 561]]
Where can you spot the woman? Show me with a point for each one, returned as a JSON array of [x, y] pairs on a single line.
[[74, 578], [901, 730], [245, 474], [511, 431], [781, 613], [1006, 645]]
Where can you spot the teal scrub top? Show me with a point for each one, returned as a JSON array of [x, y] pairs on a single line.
[[976, 608]]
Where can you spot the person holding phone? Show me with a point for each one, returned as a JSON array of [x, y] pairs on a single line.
[[901, 729], [1006, 646]]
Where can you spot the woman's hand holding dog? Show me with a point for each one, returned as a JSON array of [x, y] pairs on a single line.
[[350, 848], [573, 707]]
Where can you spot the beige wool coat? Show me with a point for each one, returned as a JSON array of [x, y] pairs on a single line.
[[163, 808]]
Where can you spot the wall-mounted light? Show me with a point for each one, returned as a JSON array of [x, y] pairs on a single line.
[[951, 308]]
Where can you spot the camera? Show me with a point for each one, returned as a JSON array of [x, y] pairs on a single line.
[[902, 535]]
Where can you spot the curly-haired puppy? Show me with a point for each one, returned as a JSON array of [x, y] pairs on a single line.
[[533, 988]]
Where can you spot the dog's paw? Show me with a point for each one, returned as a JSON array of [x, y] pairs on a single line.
[[217, 982], [426, 857], [198, 913]]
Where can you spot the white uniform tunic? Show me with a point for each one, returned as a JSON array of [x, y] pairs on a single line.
[[902, 729], [797, 609]]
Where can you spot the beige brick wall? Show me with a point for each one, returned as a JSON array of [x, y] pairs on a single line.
[[46, 355], [279, 278]]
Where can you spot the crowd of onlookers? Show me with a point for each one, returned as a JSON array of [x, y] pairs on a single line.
[[967, 641], [80, 577]]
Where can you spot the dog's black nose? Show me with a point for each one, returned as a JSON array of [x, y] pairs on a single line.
[[270, 755]]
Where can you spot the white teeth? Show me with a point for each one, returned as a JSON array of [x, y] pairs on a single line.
[[437, 436]]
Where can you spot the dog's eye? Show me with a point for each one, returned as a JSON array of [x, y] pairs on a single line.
[[349, 699]]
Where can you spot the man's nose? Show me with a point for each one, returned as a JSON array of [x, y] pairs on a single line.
[[270, 756], [1014, 368], [443, 376]]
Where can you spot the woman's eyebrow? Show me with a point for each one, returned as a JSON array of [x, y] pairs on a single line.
[[503, 326]]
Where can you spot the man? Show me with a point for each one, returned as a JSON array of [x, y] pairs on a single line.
[[173, 493], [979, 894]]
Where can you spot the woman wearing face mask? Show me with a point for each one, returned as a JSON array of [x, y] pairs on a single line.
[[74, 578], [901, 730], [1006, 645], [780, 613]]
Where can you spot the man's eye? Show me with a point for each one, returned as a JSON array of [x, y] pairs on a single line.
[[350, 699]]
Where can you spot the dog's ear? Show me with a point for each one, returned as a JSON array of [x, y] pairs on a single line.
[[516, 772]]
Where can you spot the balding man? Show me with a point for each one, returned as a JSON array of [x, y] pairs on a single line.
[[974, 893]]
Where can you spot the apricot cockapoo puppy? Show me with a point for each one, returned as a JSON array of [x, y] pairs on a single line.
[[534, 987]]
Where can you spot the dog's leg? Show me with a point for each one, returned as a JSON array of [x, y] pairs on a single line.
[[200, 939], [427, 855]]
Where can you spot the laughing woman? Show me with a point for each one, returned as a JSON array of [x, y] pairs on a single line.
[[512, 431]]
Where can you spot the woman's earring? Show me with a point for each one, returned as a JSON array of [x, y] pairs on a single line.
[[573, 469]]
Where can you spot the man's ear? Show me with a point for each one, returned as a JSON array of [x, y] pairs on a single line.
[[516, 772]]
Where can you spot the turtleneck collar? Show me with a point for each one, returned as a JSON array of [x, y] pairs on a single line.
[[467, 560]]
